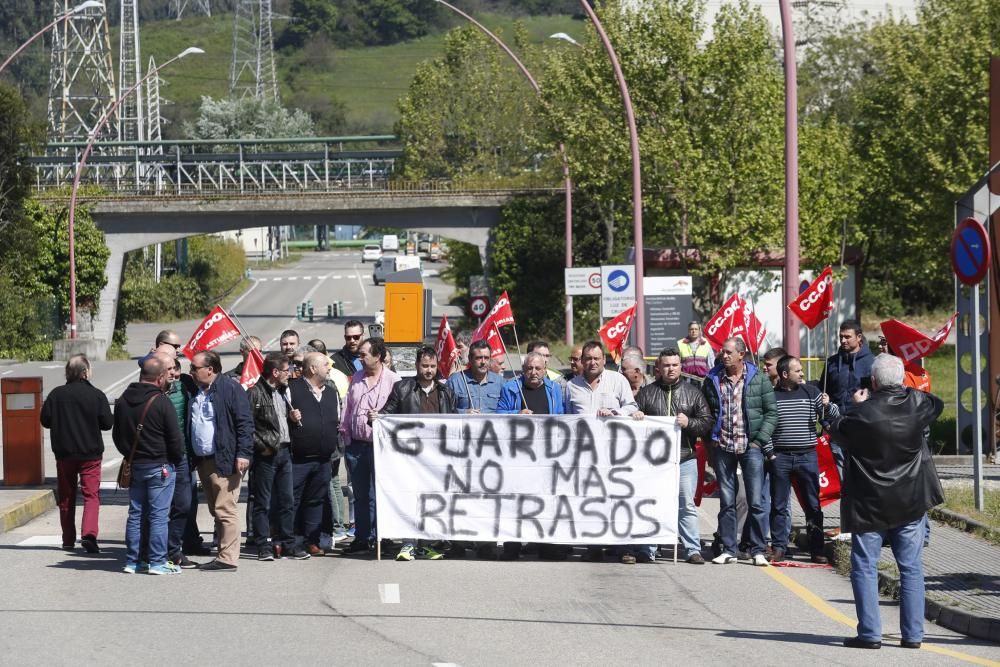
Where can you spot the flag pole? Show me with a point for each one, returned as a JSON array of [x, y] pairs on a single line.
[[524, 401], [243, 329], [468, 391]]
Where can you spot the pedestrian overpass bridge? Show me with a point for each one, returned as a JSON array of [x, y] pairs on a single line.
[[143, 193]]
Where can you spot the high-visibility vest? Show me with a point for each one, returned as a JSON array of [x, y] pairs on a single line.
[[695, 361]]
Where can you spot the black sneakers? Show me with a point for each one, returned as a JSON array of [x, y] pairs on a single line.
[[89, 544], [218, 566]]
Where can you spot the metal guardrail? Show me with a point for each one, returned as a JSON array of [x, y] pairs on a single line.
[[247, 167]]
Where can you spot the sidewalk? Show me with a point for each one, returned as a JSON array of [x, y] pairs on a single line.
[[961, 571]]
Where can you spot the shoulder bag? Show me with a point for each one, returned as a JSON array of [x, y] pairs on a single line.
[[125, 470]]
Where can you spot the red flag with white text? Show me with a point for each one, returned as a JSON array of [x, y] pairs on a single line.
[[816, 303], [615, 332], [445, 347], [500, 315], [217, 328], [735, 319], [252, 368], [909, 344]]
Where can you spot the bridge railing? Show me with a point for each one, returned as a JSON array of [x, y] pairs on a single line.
[[257, 165], [249, 167]]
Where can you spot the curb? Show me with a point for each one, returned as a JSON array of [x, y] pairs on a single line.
[[953, 618], [26, 510], [956, 520]]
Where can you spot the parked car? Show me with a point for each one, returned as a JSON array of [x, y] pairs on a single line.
[[371, 252]]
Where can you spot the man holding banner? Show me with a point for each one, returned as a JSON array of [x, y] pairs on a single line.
[[477, 388], [742, 402], [669, 397], [603, 394]]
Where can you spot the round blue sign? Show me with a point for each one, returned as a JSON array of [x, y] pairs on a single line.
[[970, 251], [618, 281], [803, 286]]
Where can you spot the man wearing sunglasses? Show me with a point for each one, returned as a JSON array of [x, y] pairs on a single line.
[[221, 428], [347, 359]]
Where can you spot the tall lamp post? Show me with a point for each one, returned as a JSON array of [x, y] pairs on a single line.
[[79, 171], [89, 4], [567, 182], [791, 277], [633, 133]]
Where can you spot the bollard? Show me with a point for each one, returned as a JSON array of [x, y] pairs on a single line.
[[340, 308], [310, 310], [329, 310]]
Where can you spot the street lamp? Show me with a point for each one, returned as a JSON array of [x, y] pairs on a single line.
[[567, 182], [791, 276], [79, 171], [89, 4], [633, 133]]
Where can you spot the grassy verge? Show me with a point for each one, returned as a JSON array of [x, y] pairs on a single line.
[[959, 499], [291, 258]]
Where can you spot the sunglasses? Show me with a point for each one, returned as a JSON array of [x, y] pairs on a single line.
[[176, 346], [350, 337]]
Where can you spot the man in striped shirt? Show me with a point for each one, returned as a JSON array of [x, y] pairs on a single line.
[[792, 454]]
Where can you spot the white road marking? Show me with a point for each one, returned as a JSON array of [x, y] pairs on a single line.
[[111, 463], [445, 664], [361, 283], [238, 301], [41, 541], [109, 485], [6, 373], [337, 277], [262, 280], [52, 366], [114, 386], [276, 279], [388, 593], [322, 277], [293, 277], [307, 277]]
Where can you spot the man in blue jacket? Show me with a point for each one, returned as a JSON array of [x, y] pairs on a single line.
[[845, 373], [221, 429], [542, 395]]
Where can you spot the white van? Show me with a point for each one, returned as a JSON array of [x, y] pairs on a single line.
[[390, 242]]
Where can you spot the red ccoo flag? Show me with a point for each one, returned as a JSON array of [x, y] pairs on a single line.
[[446, 348], [499, 316], [252, 368], [615, 332], [735, 319], [816, 303], [217, 328], [910, 344]]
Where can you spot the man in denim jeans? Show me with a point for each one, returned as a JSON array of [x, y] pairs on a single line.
[[889, 486], [743, 409], [146, 433], [669, 396]]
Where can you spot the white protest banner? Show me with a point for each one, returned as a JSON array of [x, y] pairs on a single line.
[[567, 479]]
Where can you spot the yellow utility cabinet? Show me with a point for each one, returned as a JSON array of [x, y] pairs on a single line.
[[406, 306]]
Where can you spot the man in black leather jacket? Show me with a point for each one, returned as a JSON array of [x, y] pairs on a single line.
[[890, 484], [271, 481], [668, 396]]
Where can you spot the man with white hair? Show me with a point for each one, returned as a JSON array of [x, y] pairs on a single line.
[[890, 484], [534, 393]]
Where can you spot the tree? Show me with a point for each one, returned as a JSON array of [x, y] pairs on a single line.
[[18, 132], [920, 129], [310, 18], [247, 118], [467, 113]]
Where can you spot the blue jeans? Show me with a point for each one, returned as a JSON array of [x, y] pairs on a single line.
[[182, 508], [687, 521], [149, 498], [273, 496], [765, 502], [907, 542], [752, 463], [311, 484], [360, 458], [804, 467]]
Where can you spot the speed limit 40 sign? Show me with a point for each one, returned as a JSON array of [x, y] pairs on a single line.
[[479, 306]]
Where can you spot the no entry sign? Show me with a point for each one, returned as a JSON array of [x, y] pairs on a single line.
[[970, 251]]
